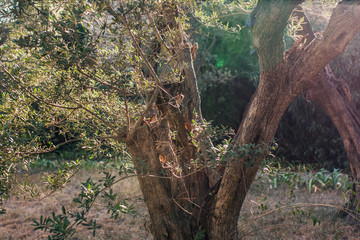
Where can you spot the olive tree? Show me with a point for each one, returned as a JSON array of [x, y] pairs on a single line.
[[122, 72]]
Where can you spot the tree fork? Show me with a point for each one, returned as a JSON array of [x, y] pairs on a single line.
[[285, 79], [179, 207]]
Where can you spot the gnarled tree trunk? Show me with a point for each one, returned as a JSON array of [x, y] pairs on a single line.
[[281, 80], [334, 96], [172, 164]]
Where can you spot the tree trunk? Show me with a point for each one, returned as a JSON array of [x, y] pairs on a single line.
[[171, 162], [164, 154], [281, 80], [259, 126], [162, 191], [334, 96]]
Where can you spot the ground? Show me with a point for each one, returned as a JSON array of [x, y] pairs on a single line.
[[281, 213]]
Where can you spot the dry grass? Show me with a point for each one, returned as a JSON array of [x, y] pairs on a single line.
[[16, 224], [290, 215], [255, 222]]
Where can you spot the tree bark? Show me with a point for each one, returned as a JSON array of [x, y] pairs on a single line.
[[164, 193]]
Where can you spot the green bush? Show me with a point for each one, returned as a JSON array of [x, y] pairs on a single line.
[[307, 135]]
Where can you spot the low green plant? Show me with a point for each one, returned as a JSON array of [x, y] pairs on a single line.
[[278, 175], [325, 179], [63, 226], [303, 175]]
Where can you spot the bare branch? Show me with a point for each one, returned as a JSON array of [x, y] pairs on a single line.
[[49, 150], [157, 33], [127, 114]]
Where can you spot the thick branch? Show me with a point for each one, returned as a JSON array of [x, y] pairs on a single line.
[[270, 19], [343, 26], [334, 96]]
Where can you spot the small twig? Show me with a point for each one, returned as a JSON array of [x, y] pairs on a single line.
[[141, 118], [278, 225], [350, 212], [181, 207], [138, 48], [133, 175], [49, 150]]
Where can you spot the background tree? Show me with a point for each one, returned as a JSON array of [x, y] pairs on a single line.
[[123, 73]]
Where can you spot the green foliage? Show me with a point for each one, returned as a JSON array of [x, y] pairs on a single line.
[[325, 178], [59, 178], [73, 83], [200, 235], [247, 153], [54, 51], [293, 180], [8, 163], [6, 175], [217, 13], [58, 225], [307, 135], [226, 64], [87, 72], [220, 50], [305, 177], [63, 225], [224, 102]]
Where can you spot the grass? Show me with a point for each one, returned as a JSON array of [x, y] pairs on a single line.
[[16, 224], [280, 205], [297, 203], [286, 213]]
